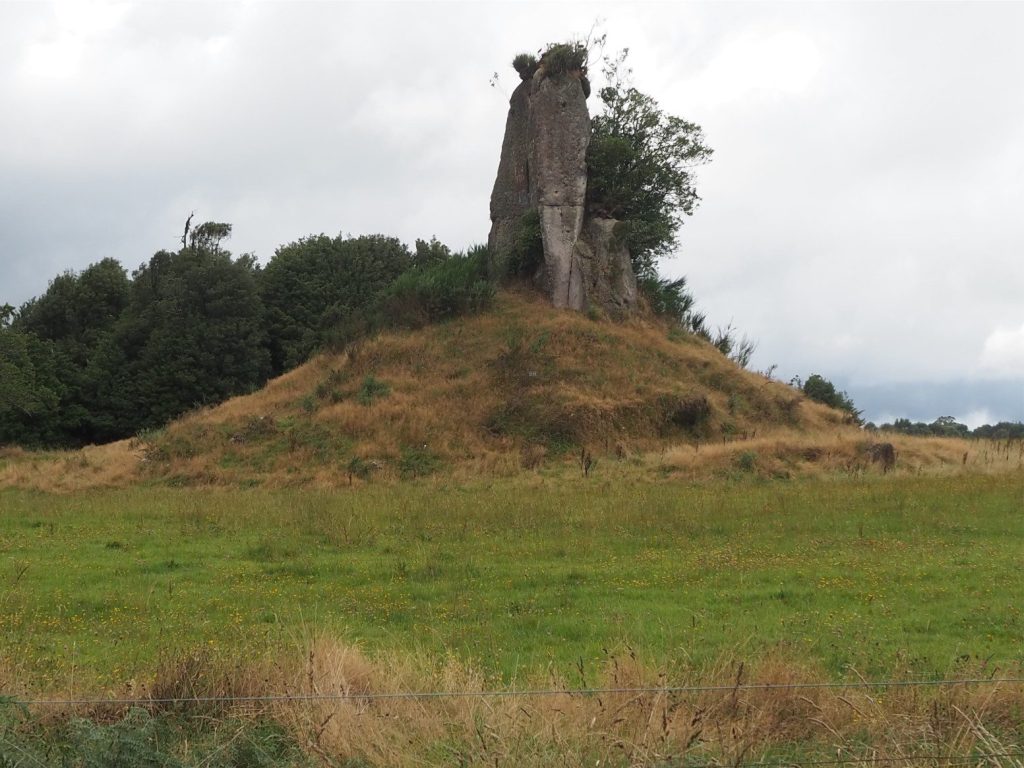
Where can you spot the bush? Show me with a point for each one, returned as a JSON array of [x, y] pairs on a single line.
[[455, 286], [747, 461], [372, 389], [525, 64], [821, 390], [418, 462], [527, 253], [672, 299], [559, 58]]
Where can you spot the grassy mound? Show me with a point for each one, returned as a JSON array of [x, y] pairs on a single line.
[[523, 387]]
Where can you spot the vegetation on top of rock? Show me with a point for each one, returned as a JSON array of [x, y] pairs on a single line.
[[559, 58], [525, 64]]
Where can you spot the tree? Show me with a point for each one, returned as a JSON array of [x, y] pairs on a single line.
[[948, 426], [821, 390], [640, 167], [317, 283], [192, 334], [23, 392], [28, 388], [65, 326]]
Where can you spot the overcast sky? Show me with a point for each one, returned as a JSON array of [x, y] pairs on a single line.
[[863, 216]]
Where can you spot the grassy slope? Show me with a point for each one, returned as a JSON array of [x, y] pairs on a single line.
[[878, 575], [522, 387]]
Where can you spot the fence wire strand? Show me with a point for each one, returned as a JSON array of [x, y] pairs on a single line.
[[513, 693]]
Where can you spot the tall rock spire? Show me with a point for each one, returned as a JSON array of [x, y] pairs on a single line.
[[543, 169]]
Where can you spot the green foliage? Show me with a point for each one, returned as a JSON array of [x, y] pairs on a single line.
[[441, 290], [27, 385], [418, 462], [429, 253], [526, 255], [948, 426], [317, 285], [560, 58], [525, 64], [747, 461], [372, 389], [673, 300], [640, 167], [100, 357], [61, 332], [359, 467], [192, 334], [737, 349], [208, 235], [143, 740], [821, 390], [134, 742], [1003, 430]]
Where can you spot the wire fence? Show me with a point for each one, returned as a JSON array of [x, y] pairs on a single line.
[[945, 760], [993, 755], [515, 693], [981, 754]]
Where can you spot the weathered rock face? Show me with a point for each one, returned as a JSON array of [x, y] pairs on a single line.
[[510, 199], [543, 168], [559, 132], [607, 275]]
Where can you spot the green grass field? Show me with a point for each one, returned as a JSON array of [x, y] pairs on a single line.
[[874, 575]]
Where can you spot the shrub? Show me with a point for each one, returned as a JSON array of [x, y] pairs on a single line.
[[319, 288], [527, 252], [455, 286], [673, 300], [559, 58], [358, 467], [525, 64], [418, 462], [821, 390], [747, 461], [372, 389]]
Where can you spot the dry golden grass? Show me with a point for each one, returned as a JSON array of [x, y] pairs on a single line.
[[522, 388], [95, 466], [787, 452], [736, 724]]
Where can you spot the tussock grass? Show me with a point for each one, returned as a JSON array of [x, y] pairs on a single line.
[[112, 465], [784, 453], [615, 728]]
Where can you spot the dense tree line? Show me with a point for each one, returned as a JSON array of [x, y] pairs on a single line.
[[821, 390], [102, 355], [948, 426]]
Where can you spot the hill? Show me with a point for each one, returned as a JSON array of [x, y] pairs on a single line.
[[524, 387]]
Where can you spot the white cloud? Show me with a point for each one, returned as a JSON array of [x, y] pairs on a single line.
[[976, 418], [756, 65], [59, 55], [1003, 353]]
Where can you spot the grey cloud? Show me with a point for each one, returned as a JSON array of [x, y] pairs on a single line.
[[864, 224]]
